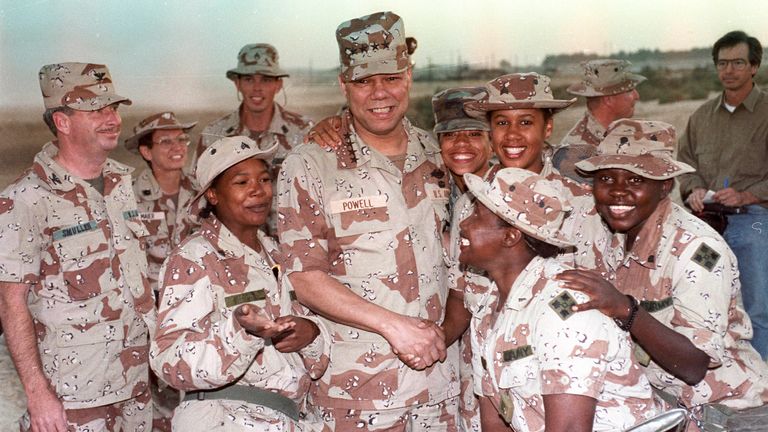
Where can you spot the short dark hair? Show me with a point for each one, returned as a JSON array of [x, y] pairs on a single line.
[[146, 141], [48, 117], [736, 37]]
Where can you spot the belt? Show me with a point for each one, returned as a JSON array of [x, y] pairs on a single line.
[[252, 395]]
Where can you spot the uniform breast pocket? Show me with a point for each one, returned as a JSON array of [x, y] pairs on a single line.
[[367, 247], [519, 370], [89, 360], [83, 251]]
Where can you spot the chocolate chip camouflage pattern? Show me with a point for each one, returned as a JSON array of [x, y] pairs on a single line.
[[287, 129], [371, 45], [199, 344], [81, 86], [578, 144], [378, 230], [166, 218], [605, 77], [640, 146], [160, 121], [259, 59], [90, 299], [528, 350], [686, 276], [517, 91]]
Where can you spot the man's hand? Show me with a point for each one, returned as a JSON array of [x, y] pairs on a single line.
[[326, 133], [252, 319], [46, 412], [733, 198], [302, 334], [603, 295], [418, 343], [696, 199]]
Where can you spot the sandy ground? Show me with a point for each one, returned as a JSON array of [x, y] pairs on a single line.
[[24, 132]]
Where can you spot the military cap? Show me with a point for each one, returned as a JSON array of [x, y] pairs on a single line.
[[605, 77], [371, 45], [80, 86], [527, 201], [517, 91], [643, 147], [160, 121], [255, 59], [448, 107]]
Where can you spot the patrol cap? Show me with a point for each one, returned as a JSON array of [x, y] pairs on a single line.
[[517, 91], [371, 45], [605, 77], [527, 201], [644, 147], [255, 59], [80, 86], [160, 121], [448, 107], [223, 154]]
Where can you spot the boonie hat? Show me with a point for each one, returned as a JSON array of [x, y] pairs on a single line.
[[527, 201], [259, 59], [517, 91], [644, 147], [221, 155], [372, 45], [605, 77], [448, 107], [160, 121], [80, 86]]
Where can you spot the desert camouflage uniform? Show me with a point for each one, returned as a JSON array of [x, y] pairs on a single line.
[[165, 217], [377, 229], [578, 144], [200, 345], [685, 275], [91, 302], [287, 129], [528, 350]]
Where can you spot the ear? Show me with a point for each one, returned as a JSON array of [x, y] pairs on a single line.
[[666, 187], [210, 195], [512, 236], [343, 86], [63, 122], [279, 85], [145, 152], [548, 127]]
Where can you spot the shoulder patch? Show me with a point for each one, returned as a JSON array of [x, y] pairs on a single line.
[[706, 257], [562, 305]]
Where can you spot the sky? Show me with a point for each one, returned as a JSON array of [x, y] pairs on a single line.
[[177, 51]]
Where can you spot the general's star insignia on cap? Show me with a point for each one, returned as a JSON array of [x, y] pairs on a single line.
[[562, 305], [706, 257]]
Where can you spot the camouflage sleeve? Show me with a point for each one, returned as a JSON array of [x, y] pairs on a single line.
[[573, 353], [198, 345], [705, 283], [21, 240], [302, 225]]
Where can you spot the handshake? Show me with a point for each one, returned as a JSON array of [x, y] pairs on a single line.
[[419, 343]]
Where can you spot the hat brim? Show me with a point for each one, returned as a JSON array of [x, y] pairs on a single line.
[[647, 165], [632, 81], [132, 142], [378, 67], [476, 186], [265, 155], [479, 109], [98, 102], [232, 74], [455, 125]]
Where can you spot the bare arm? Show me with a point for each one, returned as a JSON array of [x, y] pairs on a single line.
[[490, 420], [456, 317], [669, 349], [45, 409], [410, 337], [568, 413]]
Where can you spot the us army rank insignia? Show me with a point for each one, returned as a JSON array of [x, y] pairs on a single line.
[[706, 257], [562, 305]]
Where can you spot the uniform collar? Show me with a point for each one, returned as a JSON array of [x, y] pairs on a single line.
[[227, 245], [58, 178], [649, 238], [277, 125], [147, 188]]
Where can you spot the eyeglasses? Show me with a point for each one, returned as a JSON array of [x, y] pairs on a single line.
[[167, 142], [737, 64]]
